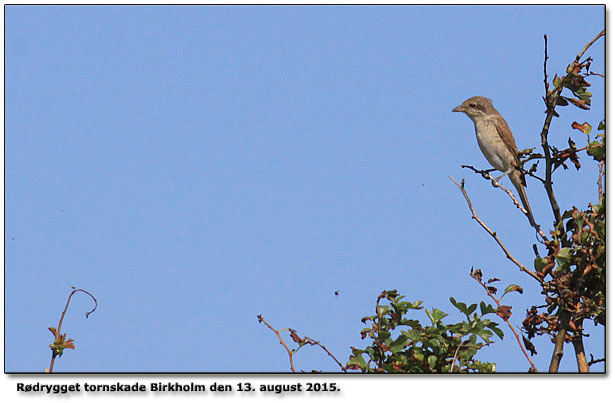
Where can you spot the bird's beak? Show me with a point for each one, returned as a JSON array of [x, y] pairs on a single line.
[[460, 108]]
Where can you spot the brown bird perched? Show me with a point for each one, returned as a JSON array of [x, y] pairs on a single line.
[[497, 143]]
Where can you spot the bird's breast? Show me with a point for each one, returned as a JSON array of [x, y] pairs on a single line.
[[493, 147]]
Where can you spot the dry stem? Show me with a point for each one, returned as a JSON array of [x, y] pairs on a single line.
[[494, 182], [492, 233], [301, 341]]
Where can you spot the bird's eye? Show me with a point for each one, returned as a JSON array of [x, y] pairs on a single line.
[[472, 105]]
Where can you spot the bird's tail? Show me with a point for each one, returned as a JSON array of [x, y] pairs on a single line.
[[517, 181]]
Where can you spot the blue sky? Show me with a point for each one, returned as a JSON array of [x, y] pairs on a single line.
[[194, 167]]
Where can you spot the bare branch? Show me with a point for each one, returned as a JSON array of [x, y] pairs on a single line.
[[495, 183], [493, 234], [600, 180], [301, 341], [588, 45], [277, 333], [312, 342], [595, 361], [455, 358], [550, 101]]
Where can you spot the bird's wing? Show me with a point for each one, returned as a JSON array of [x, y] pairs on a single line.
[[506, 135]]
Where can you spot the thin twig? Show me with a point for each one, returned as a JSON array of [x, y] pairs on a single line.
[[593, 361], [550, 102], [494, 182], [567, 154], [546, 76], [591, 73], [301, 341], [288, 350], [507, 322], [588, 45], [455, 357], [493, 234], [312, 342], [600, 180]]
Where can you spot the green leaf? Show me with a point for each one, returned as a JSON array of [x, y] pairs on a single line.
[[437, 315], [357, 360], [596, 150], [540, 263], [398, 344], [459, 305], [410, 322], [432, 360], [485, 334], [583, 94], [563, 256], [557, 81], [383, 336], [414, 335], [389, 294], [513, 288], [485, 309], [499, 332], [383, 310]]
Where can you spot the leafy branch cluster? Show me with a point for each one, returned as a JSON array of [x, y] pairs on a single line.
[[576, 263], [401, 344], [576, 249]]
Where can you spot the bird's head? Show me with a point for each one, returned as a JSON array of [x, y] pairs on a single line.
[[475, 107]]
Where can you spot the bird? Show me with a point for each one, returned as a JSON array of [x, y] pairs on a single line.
[[497, 143]]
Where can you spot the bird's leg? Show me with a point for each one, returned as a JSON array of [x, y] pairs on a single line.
[[503, 175]]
